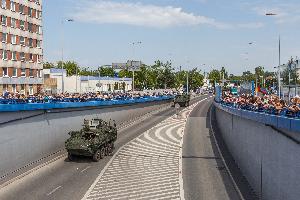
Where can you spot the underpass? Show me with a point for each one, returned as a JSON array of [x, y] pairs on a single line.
[[158, 156], [68, 180]]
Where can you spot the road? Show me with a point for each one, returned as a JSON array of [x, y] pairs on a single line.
[[204, 174], [70, 180]]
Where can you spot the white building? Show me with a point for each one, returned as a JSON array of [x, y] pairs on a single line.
[[56, 78]]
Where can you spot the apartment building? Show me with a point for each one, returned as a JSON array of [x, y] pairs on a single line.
[[21, 52]]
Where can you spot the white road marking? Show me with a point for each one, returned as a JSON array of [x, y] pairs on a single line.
[[149, 166], [85, 169], [54, 190]]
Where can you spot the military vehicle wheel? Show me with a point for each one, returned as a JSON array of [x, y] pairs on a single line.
[[110, 149], [103, 151], [97, 155], [70, 157]]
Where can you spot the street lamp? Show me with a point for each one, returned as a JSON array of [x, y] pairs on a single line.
[[279, 58], [62, 53], [133, 44]]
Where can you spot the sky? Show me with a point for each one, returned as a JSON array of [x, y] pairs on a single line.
[[206, 34]]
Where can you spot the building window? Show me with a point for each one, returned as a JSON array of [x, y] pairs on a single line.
[[4, 55], [21, 8], [5, 88], [4, 37], [22, 40], [30, 72], [5, 72], [41, 74], [13, 39], [39, 58], [38, 29], [14, 55], [22, 25], [30, 12], [30, 27], [3, 20], [13, 23], [30, 57], [12, 6], [23, 72], [22, 88], [3, 4], [30, 89], [30, 42], [38, 14], [14, 88], [22, 56], [38, 43], [15, 72]]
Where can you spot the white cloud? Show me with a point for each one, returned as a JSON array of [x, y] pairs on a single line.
[[139, 14]]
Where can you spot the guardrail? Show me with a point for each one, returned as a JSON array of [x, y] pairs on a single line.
[[277, 121], [62, 105]]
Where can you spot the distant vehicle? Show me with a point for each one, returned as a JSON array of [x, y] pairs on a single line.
[[182, 99], [95, 139]]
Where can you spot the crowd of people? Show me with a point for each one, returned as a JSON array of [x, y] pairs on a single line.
[[16, 98], [270, 104]]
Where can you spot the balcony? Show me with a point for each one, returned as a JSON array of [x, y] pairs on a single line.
[[21, 80]]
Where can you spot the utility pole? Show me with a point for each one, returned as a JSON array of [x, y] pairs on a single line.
[[62, 52], [278, 73], [133, 44], [187, 82], [76, 77]]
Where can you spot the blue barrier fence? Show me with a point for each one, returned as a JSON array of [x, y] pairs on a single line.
[[282, 122], [62, 105]]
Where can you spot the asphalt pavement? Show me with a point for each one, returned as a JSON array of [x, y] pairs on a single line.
[[205, 176]]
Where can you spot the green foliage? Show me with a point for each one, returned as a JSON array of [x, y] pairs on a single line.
[[105, 71], [248, 76], [48, 65], [160, 75], [214, 76]]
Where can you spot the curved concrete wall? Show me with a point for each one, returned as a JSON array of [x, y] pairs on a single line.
[[268, 157], [30, 139]]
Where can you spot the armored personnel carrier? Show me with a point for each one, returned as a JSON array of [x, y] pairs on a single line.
[[182, 100], [95, 139]]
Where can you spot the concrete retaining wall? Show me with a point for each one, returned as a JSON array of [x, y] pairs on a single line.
[[269, 158], [30, 139]]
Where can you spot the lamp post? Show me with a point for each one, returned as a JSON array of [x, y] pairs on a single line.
[[133, 45], [62, 52], [279, 58]]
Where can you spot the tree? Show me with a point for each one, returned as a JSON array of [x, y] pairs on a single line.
[[248, 76], [293, 76], [214, 76], [48, 65], [85, 71], [166, 78], [195, 79], [223, 72], [71, 67], [105, 71], [259, 75]]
